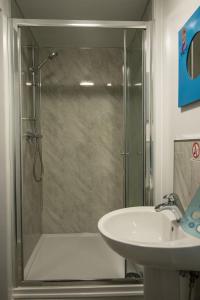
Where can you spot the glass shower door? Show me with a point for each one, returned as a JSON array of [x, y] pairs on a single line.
[[134, 115], [134, 129]]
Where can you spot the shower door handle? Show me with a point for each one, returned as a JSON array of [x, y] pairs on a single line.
[[124, 153]]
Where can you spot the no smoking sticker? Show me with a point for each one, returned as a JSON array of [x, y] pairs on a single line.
[[195, 150]]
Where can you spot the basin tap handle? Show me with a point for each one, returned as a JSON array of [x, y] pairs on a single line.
[[169, 201], [173, 199]]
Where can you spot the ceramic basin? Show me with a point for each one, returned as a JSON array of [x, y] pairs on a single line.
[[150, 238]]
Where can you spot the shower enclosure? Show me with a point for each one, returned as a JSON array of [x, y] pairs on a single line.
[[82, 128]]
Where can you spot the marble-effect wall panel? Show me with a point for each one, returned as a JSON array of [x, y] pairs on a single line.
[[186, 171], [82, 131], [31, 190]]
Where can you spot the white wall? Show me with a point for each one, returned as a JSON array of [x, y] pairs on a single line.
[[5, 7], [169, 121]]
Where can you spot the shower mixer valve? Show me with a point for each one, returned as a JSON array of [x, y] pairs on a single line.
[[31, 136]]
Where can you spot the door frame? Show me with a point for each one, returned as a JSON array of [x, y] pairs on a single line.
[[16, 65]]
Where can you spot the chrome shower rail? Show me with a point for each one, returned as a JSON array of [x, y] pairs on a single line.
[[81, 23]]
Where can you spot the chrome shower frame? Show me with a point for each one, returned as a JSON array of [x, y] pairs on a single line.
[[62, 290]]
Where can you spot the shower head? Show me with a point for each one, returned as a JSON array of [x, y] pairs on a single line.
[[50, 56]]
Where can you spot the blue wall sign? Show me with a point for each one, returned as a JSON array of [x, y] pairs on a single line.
[[189, 89]]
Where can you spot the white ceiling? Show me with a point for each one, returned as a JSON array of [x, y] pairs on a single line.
[[83, 9]]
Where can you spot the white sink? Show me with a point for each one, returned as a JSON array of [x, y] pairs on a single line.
[[150, 238]]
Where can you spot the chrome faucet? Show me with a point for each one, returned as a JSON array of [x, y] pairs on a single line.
[[173, 203]]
